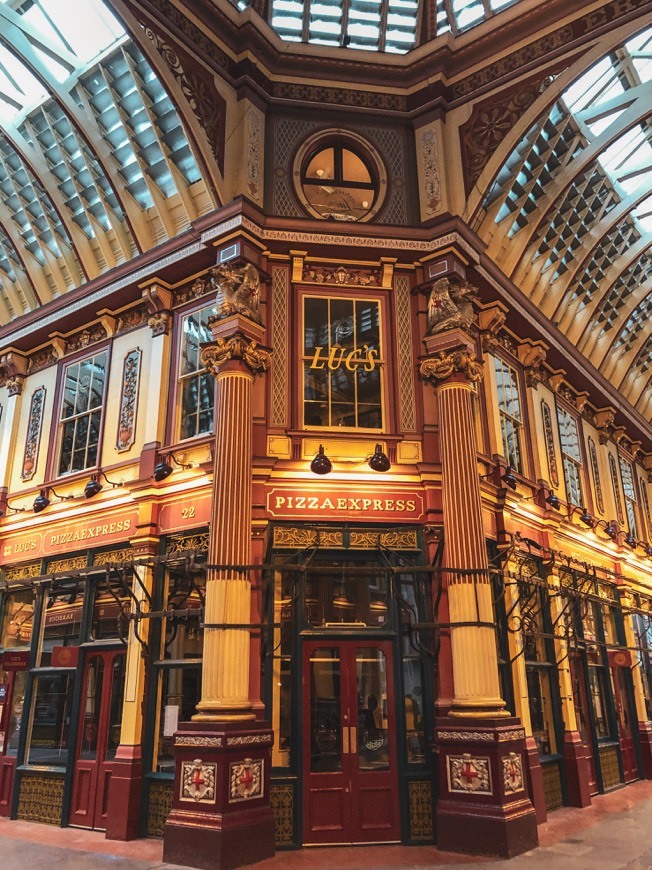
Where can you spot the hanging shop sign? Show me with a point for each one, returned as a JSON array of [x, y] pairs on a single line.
[[345, 503], [185, 512], [83, 533]]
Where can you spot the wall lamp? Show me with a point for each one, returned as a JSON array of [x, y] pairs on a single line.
[[163, 469], [504, 474], [378, 461], [554, 501], [585, 516], [42, 501], [94, 486]]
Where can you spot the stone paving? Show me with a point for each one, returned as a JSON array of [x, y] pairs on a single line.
[[615, 833]]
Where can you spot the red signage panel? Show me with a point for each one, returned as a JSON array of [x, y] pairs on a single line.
[[185, 512], [345, 503], [15, 661]]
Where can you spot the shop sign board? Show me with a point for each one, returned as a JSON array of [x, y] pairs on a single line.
[[345, 503], [184, 512], [83, 533], [17, 660]]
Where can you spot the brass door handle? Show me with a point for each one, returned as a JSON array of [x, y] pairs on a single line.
[[354, 740], [345, 740]]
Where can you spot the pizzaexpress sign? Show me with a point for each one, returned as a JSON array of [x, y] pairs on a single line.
[[400, 504], [34, 544]]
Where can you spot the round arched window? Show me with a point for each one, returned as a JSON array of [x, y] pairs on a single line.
[[340, 178]]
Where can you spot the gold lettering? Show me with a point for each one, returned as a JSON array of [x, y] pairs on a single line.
[[280, 501], [389, 504], [313, 504], [316, 360], [332, 365], [378, 505], [366, 504], [355, 504], [327, 504], [400, 504], [341, 504], [411, 504], [372, 356], [301, 502]]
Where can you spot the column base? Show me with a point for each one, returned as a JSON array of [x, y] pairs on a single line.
[[484, 807], [221, 817], [578, 770], [645, 739], [125, 794]]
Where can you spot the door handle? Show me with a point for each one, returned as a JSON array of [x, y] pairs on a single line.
[[345, 740], [354, 740]]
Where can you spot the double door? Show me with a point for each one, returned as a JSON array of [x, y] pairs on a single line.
[[349, 743], [98, 737]]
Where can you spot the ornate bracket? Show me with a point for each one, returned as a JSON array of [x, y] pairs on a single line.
[[441, 366], [13, 367], [239, 347]]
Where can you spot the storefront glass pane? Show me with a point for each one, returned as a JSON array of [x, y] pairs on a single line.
[[115, 707], [373, 723], [180, 692], [345, 594], [90, 725], [596, 687], [51, 717], [16, 713], [61, 622], [541, 712], [17, 618], [325, 723]]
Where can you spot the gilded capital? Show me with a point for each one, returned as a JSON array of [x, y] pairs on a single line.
[[238, 347], [444, 364]]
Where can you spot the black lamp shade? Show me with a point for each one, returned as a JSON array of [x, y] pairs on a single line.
[[92, 487], [379, 461], [508, 478], [553, 501], [321, 464], [162, 470], [41, 502], [586, 518], [611, 531], [631, 541]]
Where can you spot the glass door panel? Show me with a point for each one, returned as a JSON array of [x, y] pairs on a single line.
[[92, 709], [325, 713], [373, 725]]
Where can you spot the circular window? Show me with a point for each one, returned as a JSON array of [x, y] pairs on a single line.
[[339, 177]]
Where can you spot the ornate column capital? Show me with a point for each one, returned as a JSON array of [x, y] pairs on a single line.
[[237, 347], [442, 365]]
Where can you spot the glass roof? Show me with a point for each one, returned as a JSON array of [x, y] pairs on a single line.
[[374, 25], [93, 154], [575, 198]]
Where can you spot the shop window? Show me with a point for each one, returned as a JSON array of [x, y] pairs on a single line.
[[509, 410], [196, 385], [17, 618], [62, 618], [413, 682], [111, 604], [342, 363], [597, 695], [280, 664], [571, 456], [539, 666], [16, 713], [629, 490], [48, 738], [341, 592], [643, 640], [81, 413], [339, 180]]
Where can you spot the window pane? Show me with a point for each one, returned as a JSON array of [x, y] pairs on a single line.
[[180, 694], [16, 713], [17, 618], [50, 727], [197, 386], [62, 621]]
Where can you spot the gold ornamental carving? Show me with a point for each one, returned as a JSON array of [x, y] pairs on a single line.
[[450, 305], [191, 740], [215, 355], [443, 365]]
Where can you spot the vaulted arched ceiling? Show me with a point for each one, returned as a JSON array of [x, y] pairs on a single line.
[[95, 165]]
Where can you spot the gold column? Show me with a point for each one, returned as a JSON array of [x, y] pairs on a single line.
[[473, 638], [234, 359]]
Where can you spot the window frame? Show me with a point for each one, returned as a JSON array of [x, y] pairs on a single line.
[[566, 458], [332, 293], [518, 423], [56, 450], [176, 387], [631, 500]]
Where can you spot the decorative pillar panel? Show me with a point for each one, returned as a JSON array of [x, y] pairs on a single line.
[[221, 815], [481, 748]]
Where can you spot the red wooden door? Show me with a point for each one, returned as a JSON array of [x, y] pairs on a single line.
[[98, 738], [624, 717], [349, 743], [581, 703]]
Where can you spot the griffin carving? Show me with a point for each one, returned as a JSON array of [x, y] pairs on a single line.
[[449, 305], [238, 291]]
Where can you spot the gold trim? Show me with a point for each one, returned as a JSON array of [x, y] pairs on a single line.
[[441, 366]]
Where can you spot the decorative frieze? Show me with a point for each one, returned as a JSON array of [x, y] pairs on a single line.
[[192, 740], [341, 276], [249, 740], [33, 439], [128, 400], [18, 573], [468, 773], [466, 736], [180, 544], [197, 782], [42, 359], [246, 780], [113, 557]]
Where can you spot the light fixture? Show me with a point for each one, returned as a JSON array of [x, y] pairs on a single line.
[[94, 486], [508, 477], [553, 501], [631, 541], [587, 519], [379, 461], [163, 469], [321, 464], [611, 530], [648, 549], [41, 501]]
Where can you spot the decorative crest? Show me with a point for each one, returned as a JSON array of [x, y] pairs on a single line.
[[450, 305]]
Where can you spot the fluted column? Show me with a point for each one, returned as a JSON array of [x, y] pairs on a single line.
[[473, 637], [235, 361]]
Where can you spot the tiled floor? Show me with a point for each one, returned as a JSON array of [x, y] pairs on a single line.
[[615, 833]]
